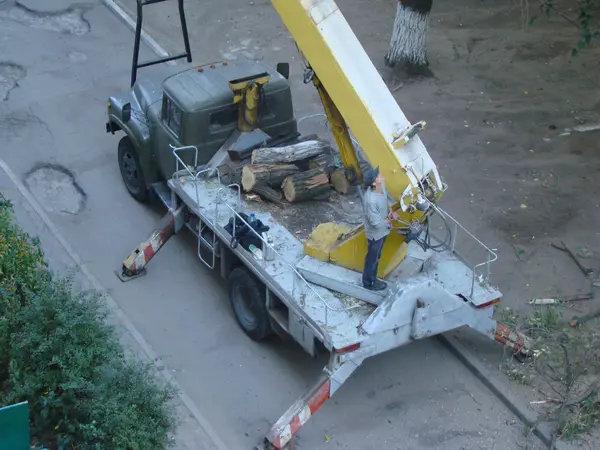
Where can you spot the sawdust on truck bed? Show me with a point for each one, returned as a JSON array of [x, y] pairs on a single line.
[[301, 218]]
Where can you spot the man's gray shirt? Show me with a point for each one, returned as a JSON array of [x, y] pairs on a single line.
[[376, 210]]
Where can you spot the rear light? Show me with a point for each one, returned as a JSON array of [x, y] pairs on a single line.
[[349, 348], [490, 303]]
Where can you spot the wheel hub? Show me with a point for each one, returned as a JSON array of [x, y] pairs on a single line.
[[246, 307], [130, 169]]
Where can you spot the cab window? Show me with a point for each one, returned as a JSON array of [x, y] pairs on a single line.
[[171, 115], [224, 118]]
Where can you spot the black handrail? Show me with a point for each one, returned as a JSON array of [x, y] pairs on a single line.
[[138, 34]]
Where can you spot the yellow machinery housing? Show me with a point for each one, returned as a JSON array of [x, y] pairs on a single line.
[[354, 95]]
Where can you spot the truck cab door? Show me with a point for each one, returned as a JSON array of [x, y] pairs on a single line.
[[169, 132]]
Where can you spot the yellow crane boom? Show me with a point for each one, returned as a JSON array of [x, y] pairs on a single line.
[[354, 95]]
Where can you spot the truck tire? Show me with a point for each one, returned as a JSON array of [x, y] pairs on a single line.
[[248, 301], [131, 171]]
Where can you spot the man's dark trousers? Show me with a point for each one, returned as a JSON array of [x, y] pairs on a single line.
[[374, 248]]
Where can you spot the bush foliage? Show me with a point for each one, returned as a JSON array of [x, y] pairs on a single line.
[[58, 352]]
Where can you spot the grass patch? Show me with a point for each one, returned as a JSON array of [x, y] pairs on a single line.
[[565, 364]]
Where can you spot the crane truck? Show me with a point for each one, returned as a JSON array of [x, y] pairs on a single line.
[[185, 126]]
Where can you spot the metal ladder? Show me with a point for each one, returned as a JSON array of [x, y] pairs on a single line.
[[138, 34], [212, 246], [218, 201], [195, 177]]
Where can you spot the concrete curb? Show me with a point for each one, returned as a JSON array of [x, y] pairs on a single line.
[[499, 389]]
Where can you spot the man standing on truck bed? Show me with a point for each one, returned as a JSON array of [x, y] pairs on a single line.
[[377, 226]]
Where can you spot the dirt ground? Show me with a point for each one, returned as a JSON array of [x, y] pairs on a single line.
[[497, 111]]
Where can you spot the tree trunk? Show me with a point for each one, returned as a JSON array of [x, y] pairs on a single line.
[[306, 185], [408, 45], [339, 182], [267, 193], [271, 174], [289, 153]]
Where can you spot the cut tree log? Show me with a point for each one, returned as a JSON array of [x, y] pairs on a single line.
[[268, 193], [230, 173], [313, 183], [323, 161], [289, 153], [270, 174], [339, 182], [309, 137]]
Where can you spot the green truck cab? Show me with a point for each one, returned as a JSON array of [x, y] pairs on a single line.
[[179, 106]]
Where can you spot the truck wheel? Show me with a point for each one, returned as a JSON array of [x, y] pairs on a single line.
[[248, 300], [131, 171]]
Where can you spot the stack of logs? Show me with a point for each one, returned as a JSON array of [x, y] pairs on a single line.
[[303, 171]]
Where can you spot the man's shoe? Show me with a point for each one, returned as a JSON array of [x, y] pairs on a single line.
[[377, 285]]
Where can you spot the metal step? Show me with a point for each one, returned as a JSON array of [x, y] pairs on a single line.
[[280, 316], [192, 227], [338, 279], [163, 193]]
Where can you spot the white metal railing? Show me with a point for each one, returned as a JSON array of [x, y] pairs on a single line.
[[192, 171], [186, 168], [491, 255], [178, 160]]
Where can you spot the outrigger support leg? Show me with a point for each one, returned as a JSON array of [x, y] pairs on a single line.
[[134, 265], [333, 376], [514, 340]]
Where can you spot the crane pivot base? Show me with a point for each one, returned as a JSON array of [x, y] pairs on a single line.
[[347, 247]]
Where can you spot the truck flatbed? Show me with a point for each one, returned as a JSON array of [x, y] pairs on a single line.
[[337, 316]]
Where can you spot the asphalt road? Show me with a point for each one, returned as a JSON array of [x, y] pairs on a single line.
[[56, 72]]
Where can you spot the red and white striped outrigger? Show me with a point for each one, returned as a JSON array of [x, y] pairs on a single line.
[[333, 377]]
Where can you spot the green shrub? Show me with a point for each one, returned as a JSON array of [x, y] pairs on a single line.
[[63, 357], [22, 270], [128, 410], [22, 263]]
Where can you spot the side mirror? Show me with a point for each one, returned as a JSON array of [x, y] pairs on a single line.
[[126, 112], [284, 69]]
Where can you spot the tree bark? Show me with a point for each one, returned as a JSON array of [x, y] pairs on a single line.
[[309, 137], [271, 174], [306, 185], [230, 174], [408, 45], [267, 193], [339, 182], [325, 162], [289, 153]]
